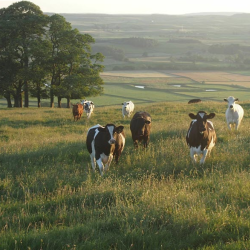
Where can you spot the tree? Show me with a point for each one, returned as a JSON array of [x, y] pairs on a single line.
[[21, 24], [38, 53], [71, 62], [39, 87]]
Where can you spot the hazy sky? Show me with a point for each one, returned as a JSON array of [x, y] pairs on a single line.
[[138, 6]]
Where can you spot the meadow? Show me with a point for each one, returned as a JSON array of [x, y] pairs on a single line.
[[153, 199]]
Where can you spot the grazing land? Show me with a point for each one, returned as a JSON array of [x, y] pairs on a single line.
[[153, 199]]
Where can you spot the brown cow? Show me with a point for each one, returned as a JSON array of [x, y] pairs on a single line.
[[140, 127], [119, 145], [194, 101], [77, 111], [201, 136]]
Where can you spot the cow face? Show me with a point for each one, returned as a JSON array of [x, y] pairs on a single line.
[[142, 126], [231, 101], [86, 106], [110, 130], [201, 118], [125, 105]]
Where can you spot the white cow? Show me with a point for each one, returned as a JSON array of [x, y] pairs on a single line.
[[127, 108], [234, 112], [88, 107]]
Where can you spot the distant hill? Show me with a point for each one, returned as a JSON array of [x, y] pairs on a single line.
[[213, 14], [188, 14]]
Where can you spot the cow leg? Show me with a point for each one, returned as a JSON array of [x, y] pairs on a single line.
[[117, 156], [145, 142], [229, 126], [237, 124], [100, 164], [205, 153], [136, 143], [93, 162], [208, 152], [193, 155], [108, 163]]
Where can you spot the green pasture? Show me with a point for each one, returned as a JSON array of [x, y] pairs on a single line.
[[118, 89], [153, 199]]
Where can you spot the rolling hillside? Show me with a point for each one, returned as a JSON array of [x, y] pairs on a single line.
[[153, 199]]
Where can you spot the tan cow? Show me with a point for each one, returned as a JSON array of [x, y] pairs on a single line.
[[77, 111]]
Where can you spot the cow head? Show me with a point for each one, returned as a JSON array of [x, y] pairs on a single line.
[[125, 105], [142, 126], [231, 101], [201, 117], [88, 105], [110, 130]]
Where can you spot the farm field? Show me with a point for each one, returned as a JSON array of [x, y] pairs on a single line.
[[174, 86], [153, 199], [150, 86]]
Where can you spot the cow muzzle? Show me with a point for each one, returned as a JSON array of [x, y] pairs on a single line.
[[202, 130], [112, 141]]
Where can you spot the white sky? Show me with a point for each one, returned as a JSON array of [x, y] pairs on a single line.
[[173, 7]]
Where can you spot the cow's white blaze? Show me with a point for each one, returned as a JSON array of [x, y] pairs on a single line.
[[111, 132], [202, 115]]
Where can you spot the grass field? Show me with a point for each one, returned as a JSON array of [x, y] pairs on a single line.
[[153, 199]]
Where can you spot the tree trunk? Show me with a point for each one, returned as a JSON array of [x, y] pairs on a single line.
[[51, 98], [21, 100], [8, 98], [16, 101], [59, 105], [68, 102], [26, 95], [38, 97], [39, 102]]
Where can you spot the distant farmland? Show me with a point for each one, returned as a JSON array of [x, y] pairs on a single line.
[[149, 86], [218, 77]]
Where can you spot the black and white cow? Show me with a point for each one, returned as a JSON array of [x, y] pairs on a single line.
[[101, 143], [88, 107], [201, 136]]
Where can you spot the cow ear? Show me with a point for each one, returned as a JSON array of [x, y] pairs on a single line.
[[119, 129], [236, 99], [211, 115], [147, 121], [192, 116], [225, 99]]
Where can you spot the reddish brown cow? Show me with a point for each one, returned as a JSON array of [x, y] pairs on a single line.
[[140, 127], [77, 111], [201, 136]]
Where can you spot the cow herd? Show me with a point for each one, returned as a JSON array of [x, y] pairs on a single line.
[[106, 143]]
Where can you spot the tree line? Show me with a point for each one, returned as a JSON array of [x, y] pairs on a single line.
[[43, 57]]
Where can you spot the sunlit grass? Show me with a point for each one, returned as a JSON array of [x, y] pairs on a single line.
[[153, 199]]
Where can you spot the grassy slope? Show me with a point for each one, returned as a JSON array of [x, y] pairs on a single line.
[[154, 199]]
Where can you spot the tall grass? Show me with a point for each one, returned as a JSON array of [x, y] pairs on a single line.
[[153, 199]]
